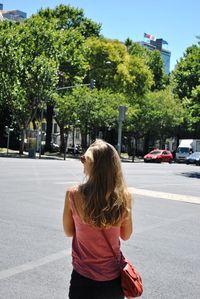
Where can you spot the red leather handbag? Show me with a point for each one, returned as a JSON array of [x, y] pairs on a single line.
[[131, 281]]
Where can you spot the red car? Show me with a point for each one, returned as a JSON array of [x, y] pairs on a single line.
[[159, 156]]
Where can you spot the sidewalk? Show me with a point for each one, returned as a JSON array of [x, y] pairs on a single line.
[[57, 156], [126, 158], [15, 154]]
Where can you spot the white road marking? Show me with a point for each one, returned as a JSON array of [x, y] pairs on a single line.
[[164, 195], [34, 264]]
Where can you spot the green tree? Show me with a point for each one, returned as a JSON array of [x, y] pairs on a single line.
[[186, 75], [157, 117], [42, 54], [113, 68], [186, 85], [73, 29], [137, 50], [154, 61], [65, 115], [34, 72], [133, 78], [7, 76], [69, 17], [128, 43], [93, 111]]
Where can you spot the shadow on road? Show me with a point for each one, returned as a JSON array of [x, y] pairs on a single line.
[[193, 174]]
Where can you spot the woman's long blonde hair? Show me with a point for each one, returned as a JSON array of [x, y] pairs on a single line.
[[104, 193]]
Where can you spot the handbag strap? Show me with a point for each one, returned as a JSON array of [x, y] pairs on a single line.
[[110, 246]]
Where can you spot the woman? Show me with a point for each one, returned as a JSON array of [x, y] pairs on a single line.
[[102, 203]]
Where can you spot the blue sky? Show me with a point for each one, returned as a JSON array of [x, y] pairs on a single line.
[[176, 21]]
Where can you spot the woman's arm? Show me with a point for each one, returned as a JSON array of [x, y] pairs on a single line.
[[126, 228], [68, 222]]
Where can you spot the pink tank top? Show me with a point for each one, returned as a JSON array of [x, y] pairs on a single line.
[[91, 255]]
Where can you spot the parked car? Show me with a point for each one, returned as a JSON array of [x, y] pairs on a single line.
[[193, 158], [159, 156]]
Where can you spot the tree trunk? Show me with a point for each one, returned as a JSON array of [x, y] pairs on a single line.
[[62, 139], [21, 145], [136, 146], [34, 124], [84, 133], [49, 119], [146, 143], [84, 140], [73, 136]]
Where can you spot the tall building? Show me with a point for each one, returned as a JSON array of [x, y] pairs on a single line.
[[13, 15], [157, 44]]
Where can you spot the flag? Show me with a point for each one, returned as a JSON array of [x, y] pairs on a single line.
[[150, 36], [164, 42]]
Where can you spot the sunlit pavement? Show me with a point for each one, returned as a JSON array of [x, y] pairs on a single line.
[[36, 257]]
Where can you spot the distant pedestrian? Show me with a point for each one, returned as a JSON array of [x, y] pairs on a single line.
[[101, 203], [174, 154]]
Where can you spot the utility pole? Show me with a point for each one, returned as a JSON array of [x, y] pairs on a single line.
[[122, 113]]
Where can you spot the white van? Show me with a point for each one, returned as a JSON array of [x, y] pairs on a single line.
[[186, 147]]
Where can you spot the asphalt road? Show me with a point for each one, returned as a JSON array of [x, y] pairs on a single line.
[[35, 256]]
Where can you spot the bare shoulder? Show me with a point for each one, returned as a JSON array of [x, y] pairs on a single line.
[[77, 198], [68, 222], [73, 189]]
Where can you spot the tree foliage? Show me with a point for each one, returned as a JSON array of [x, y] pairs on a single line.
[[186, 84], [62, 48], [154, 62], [34, 72], [157, 117], [186, 76], [113, 67], [90, 110], [68, 17], [40, 55]]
